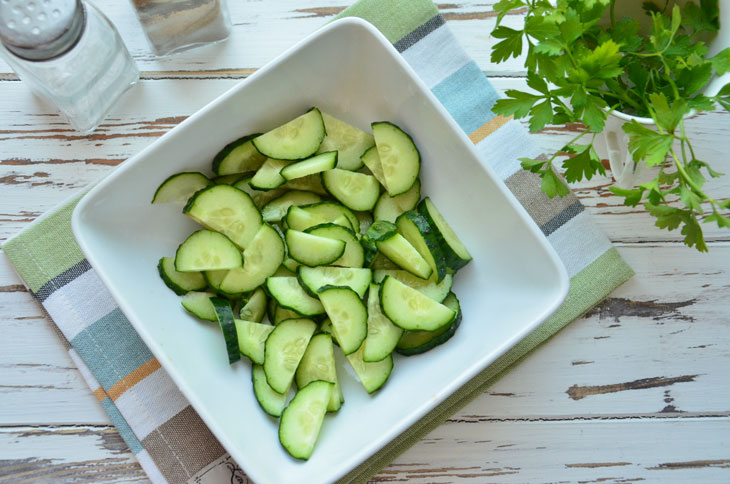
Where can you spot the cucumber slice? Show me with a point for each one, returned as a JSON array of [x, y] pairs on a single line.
[[231, 179], [316, 164], [268, 176], [394, 246], [262, 258], [238, 156], [300, 219], [353, 255], [179, 187], [313, 279], [354, 190], [224, 313], [348, 315], [271, 402], [389, 208], [455, 253], [435, 290], [417, 342], [383, 335], [228, 210], [290, 295], [330, 211], [180, 282], [372, 375], [298, 139], [318, 363], [309, 183], [198, 303], [277, 208], [346, 139], [282, 314], [259, 197], [399, 157], [255, 307], [285, 347], [252, 338], [410, 309], [206, 250], [371, 159], [420, 234], [290, 264], [313, 250], [214, 278], [302, 420]]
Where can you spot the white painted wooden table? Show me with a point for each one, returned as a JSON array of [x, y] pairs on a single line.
[[635, 391]]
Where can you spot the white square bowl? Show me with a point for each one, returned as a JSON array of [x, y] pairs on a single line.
[[350, 70]]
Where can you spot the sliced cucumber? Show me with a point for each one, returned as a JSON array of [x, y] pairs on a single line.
[[198, 303], [410, 309], [353, 255], [383, 335], [435, 290], [285, 347], [394, 246], [206, 250], [271, 402], [371, 159], [318, 363], [302, 420], [277, 208], [354, 190], [224, 313], [268, 176], [298, 139], [214, 278], [399, 157], [348, 140], [416, 342], [252, 338], [371, 375], [239, 156], [420, 234], [255, 307], [179, 187], [330, 211], [290, 295], [313, 279], [228, 210], [300, 219], [309, 183], [313, 250], [455, 253], [231, 179], [261, 259], [316, 164], [181, 282], [389, 208], [348, 314], [290, 264], [259, 197], [282, 314]]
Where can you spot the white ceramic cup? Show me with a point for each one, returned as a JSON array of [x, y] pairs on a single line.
[[613, 143]]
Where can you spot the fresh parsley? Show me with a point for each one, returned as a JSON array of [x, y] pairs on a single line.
[[584, 62]]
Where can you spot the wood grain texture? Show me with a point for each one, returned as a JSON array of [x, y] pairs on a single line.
[[635, 391]]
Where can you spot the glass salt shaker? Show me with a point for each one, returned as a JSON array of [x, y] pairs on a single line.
[[173, 26], [68, 52]]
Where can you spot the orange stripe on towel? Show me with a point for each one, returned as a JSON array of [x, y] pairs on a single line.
[[133, 378], [488, 128]]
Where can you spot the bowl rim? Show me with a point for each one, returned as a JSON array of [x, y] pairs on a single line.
[[467, 373]]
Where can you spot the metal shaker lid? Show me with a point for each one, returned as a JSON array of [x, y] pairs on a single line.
[[40, 29]]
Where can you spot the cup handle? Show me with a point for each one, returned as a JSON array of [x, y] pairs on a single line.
[[619, 158]]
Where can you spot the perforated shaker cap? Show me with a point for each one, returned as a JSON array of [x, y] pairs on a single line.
[[40, 29]]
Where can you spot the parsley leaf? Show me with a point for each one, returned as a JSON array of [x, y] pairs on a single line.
[[721, 61], [552, 185], [511, 46], [647, 144], [518, 104], [583, 165]]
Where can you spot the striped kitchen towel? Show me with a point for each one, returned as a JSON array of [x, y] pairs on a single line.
[[169, 439]]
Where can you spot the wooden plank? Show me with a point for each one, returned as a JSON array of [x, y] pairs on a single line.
[[658, 346], [646, 450], [62, 162], [82, 454], [263, 30]]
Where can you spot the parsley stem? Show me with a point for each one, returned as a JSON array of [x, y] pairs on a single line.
[[689, 181]]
